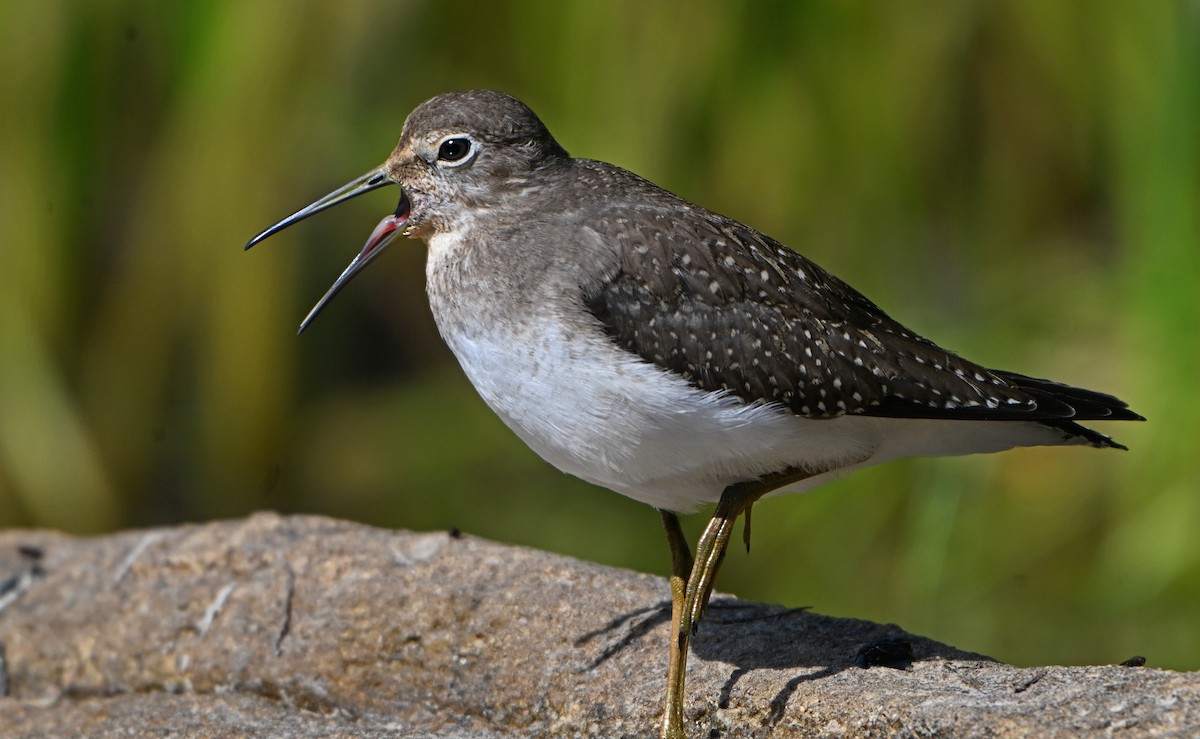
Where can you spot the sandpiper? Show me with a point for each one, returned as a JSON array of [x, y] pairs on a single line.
[[664, 351]]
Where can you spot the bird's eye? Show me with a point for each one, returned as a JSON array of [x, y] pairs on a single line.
[[454, 150]]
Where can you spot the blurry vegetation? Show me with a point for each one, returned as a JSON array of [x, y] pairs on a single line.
[[1017, 180]]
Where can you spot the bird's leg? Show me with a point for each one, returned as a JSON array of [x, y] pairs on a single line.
[[687, 576], [692, 580], [681, 569], [710, 550], [746, 527]]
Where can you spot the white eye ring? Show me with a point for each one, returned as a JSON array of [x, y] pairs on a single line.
[[456, 150]]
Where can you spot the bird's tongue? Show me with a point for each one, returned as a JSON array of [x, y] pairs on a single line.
[[380, 236], [388, 226]]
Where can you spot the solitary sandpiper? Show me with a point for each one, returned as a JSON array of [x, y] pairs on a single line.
[[666, 352]]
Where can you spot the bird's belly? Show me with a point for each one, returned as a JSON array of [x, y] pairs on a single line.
[[608, 417]]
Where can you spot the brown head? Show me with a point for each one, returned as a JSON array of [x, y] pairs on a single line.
[[459, 155]]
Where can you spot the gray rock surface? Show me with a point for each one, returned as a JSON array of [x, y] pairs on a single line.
[[305, 626]]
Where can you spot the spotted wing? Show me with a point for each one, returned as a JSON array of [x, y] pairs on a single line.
[[733, 310]]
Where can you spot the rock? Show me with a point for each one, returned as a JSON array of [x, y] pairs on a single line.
[[305, 626]]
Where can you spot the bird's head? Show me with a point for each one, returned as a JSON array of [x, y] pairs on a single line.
[[460, 155]]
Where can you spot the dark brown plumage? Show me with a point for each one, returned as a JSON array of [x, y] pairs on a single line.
[[733, 310]]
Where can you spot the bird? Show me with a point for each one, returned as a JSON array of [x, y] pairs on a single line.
[[664, 351]]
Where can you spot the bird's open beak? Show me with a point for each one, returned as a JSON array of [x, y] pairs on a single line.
[[379, 238]]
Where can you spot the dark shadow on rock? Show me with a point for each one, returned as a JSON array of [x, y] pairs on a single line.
[[623, 630], [752, 636]]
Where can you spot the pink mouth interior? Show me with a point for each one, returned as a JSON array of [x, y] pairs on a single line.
[[388, 226], [404, 208]]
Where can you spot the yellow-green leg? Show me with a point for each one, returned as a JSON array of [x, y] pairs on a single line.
[[681, 570], [710, 550], [692, 580]]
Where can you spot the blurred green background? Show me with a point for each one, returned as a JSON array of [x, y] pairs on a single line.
[[1019, 181]]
